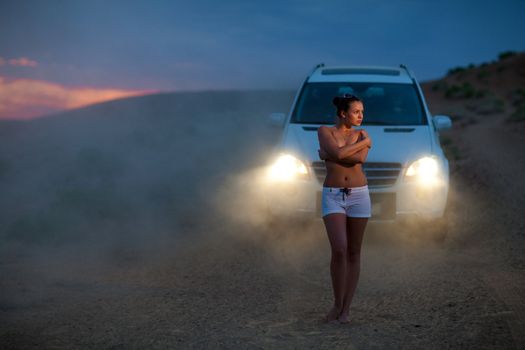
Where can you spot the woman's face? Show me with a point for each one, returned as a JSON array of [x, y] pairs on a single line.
[[354, 114]]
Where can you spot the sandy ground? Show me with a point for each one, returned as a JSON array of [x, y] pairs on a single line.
[[221, 283]]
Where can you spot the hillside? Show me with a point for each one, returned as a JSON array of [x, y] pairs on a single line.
[[489, 89], [486, 142]]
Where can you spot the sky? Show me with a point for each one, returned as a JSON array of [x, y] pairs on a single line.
[[60, 54]]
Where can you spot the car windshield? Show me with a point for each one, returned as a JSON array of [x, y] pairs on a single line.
[[383, 103]]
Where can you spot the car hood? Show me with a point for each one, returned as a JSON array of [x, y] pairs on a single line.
[[400, 144]]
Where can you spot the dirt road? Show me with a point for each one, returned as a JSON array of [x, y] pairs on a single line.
[[220, 283]]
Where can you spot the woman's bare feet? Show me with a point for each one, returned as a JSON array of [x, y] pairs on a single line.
[[343, 317], [332, 314]]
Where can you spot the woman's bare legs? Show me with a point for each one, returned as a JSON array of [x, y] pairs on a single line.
[[336, 229], [355, 228]]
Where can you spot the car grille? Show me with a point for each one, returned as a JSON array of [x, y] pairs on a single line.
[[377, 174]]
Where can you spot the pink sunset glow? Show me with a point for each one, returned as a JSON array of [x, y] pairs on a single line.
[[28, 98]]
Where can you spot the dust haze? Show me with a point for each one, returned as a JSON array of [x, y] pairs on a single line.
[[139, 223], [136, 179]]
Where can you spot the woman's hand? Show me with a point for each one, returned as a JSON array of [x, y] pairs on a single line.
[[363, 133], [364, 136]]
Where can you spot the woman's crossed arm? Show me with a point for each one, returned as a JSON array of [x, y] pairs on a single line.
[[351, 154], [356, 158]]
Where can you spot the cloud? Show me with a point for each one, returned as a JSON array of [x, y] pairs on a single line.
[[27, 98], [21, 62]]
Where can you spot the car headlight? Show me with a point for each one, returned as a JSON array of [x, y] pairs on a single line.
[[424, 170], [287, 168]]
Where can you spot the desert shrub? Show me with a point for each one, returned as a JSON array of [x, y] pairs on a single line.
[[441, 85], [482, 74], [452, 91], [466, 90], [499, 103], [506, 54], [520, 91], [481, 93], [488, 105], [455, 70], [517, 96], [519, 114]]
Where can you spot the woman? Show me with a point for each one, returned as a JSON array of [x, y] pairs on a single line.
[[345, 199]]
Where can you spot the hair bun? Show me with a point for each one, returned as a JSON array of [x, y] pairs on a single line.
[[336, 101]]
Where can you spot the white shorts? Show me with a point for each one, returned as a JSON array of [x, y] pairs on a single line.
[[354, 202]]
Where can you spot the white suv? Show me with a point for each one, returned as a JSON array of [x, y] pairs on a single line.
[[407, 172]]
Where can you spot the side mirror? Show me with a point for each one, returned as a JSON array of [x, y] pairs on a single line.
[[442, 122], [276, 119]]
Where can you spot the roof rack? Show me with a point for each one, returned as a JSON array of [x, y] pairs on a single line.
[[361, 70], [405, 68], [319, 65]]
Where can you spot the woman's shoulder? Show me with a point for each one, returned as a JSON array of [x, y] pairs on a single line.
[[325, 128], [326, 131]]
